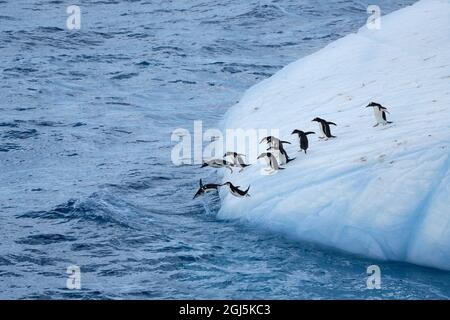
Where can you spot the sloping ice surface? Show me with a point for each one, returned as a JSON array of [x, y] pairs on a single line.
[[376, 191]]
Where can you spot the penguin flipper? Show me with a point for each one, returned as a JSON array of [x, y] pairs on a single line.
[[199, 193]]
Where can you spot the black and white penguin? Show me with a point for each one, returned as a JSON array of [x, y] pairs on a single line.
[[283, 156], [273, 142], [235, 191], [237, 160], [325, 128], [271, 160], [380, 113], [277, 145], [218, 163], [204, 188], [303, 136]]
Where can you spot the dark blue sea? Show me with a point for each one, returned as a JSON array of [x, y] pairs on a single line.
[[86, 177]]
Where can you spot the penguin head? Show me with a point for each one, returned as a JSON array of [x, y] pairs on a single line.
[[268, 139], [317, 119], [204, 165], [262, 155], [372, 104], [299, 132], [228, 183]]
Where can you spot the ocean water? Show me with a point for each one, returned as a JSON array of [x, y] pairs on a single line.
[[86, 178]]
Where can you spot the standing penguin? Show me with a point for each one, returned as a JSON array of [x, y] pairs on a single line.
[[380, 113], [273, 142], [303, 136], [284, 158], [271, 161], [237, 159], [277, 145], [325, 128]]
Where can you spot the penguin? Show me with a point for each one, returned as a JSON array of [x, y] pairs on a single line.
[[204, 188], [273, 142], [271, 161], [218, 163], [380, 113], [237, 160], [303, 136], [277, 144], [325, 128], [284, 158], [235, 191]]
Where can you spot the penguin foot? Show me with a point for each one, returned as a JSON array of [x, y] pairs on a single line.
[[268, 171]]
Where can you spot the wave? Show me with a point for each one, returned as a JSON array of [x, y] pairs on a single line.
[[101, 207]]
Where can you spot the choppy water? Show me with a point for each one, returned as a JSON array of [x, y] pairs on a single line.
[[86, 177]]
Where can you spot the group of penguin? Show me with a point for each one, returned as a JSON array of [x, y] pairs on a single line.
[[276, 148]]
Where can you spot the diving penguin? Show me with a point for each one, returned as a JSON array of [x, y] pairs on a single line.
[[235, 191], [218, 163], [237, 160], [204, 188]]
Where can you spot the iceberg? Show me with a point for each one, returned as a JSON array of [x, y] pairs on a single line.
[[382, 192]]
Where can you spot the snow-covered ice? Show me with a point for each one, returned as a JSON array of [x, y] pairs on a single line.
[[382, 192]]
